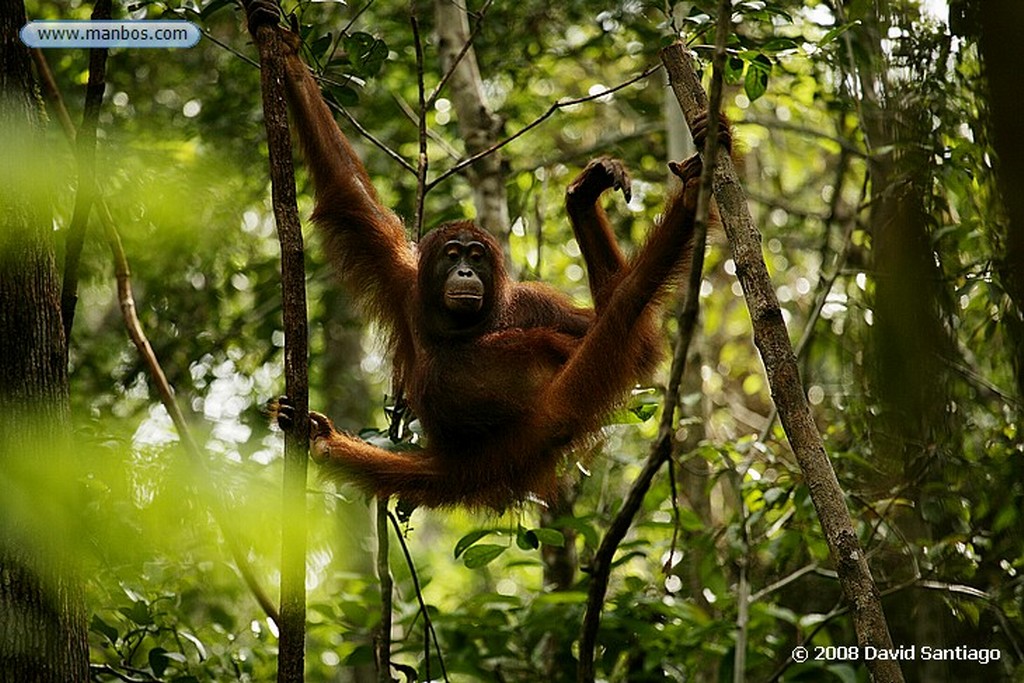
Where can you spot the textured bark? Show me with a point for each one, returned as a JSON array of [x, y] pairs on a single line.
[[772, 341], [477, 125], [1002, 51], [42, 618], [291, 657]]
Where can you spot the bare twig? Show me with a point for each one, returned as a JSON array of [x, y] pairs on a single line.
[[560, 104], [430, 634], [382, 641], [85, 197], [661, 450], [377, 142], [423, 161]]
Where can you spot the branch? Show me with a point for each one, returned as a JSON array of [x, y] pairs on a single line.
[[662, 448], [291, 658], [382, 642], [772, 341], [477, 124], [430, 634], [85, 142], [126, 300], [423, 161], [560, 104]]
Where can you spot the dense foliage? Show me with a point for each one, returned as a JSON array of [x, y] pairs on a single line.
[[842, 111]]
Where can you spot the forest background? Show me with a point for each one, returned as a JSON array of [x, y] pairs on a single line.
[[872, 160]]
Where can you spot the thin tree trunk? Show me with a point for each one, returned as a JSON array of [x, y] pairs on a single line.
[[910, 347], [291, 657], [478, 127], [772, 341]]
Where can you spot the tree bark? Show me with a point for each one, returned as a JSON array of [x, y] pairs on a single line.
[[1002, 51], [477, 125], [42, 616], [291, 657], [772, 341]]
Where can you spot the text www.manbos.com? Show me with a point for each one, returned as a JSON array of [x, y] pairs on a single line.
[[151, 34]]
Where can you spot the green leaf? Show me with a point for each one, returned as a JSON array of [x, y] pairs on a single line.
[[755, 84], [469, 539], [482, 555], [344, 96], [526, 539], [138, 613], [318, 48], [366, 53], [776, 45], [561, 598], [641, 407], [158, 661], [733, 72], [584, 528], [690, 521], [97, 625], [836, 32], [552, 537]]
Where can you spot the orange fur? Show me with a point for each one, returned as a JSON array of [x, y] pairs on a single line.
[[505, 396]]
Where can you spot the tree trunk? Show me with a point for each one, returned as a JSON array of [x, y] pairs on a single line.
[[910, 347], [1001, 50], [477, 125], [42, 618]]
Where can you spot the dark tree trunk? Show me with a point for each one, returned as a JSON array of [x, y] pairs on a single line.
[[42, 621], [1001, 50]]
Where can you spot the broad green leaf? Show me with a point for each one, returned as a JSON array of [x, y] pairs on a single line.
[[482, 555], [469, 539], [755, 83], [97, 625], [548, 536]]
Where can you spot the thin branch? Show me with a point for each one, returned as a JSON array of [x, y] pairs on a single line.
[[661, 450], [377, 142], [382, 641], [423, 161], [461, 54], [784, 581], [434, 136], [355, 17], [430, 634], [344, 31], [238, 53], [85, 143], [136, 333], [560, 104]]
